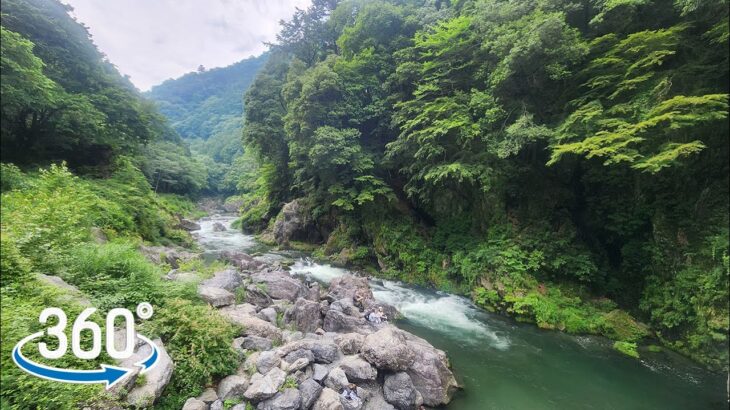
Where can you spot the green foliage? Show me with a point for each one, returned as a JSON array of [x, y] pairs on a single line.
[[627, 348], [199, 341]]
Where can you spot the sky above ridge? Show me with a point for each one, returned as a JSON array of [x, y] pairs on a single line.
[[154, 40]]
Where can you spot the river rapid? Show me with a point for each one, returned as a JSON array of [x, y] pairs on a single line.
[[503, 364]]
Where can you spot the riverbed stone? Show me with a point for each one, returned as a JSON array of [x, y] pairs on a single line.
[[387, 349], [257, 295], [309, 391], [305, 315], [399, 391], [347, 287], [430, 373], [324, 351], [267, 360], [194, 404], [336, 379], [279, 285], [256, 343], [228, 279], [328, 400], [357, 369], [263, 387], [232, 387], [350, 343], [216, 297], [219, 227], [252, 326], [320, 372], [208, 396], [289, 399], [268, 314]]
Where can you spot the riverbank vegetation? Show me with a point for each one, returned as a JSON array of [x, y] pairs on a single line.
[[565, 162]]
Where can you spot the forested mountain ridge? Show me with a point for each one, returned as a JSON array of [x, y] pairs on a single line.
[[206, 109], [198, 102], [563, 161]]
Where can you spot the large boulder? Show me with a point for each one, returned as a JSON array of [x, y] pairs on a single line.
[[430, 373], [289, 399], [252, 326], [279, 285], [319, 372], [388, 349], [358, 369], [216, 297], [171, 256], [343, 316], [305, 315], [232, 387], [309, 390], [227, 279], [241, 260], [349, 286], [266, 386], [187, 224], [399, 391], [256, 343], [155, 379], [219, 227], [294, 224]]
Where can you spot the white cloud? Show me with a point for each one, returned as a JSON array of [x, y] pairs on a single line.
[[153, 40]]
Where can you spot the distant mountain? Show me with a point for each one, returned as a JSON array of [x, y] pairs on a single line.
[[199, 102]]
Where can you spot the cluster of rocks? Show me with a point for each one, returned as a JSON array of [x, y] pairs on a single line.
[[301, 345]]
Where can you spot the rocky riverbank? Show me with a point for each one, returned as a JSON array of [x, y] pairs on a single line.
[[301, 345]]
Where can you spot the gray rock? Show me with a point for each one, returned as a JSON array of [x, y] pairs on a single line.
[[294, 224], [324, 351], [279, 285], [188, 225], [350, 343], [185, 277], [267, 360], [430, 373], [70, 292], [358, 369], [162, 254], [299, 354], [305, 315], [227, 279], [348, 286], [296, 365], [289, 399], [268, 314], [208, 396], [257, 295], [216, 297], [289, 336], [387, 349], [399, 391], [216, 405], [194, 404], [328, 400], [219, 227], [266, 386], [309, 391], [336, 379], [155, 379], [256, 343], [337, 321], [241, 260], [314, 292], [232, 387], [320, 372], [252, 326]]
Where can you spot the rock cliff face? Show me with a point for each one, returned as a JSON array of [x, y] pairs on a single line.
[[301, 345], [294, 224]]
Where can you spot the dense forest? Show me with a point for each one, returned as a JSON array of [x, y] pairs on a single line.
[[206, 109], [562, 162]]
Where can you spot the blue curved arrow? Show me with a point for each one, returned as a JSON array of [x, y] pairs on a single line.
[[150, 362], [110, 375]]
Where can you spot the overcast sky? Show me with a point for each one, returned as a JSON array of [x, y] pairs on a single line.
[[153, 40]]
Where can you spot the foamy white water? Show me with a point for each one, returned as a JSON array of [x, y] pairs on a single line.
[[229, 240], [321, 273]]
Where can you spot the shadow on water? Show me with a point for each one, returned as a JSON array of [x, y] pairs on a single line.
[[503, 364]]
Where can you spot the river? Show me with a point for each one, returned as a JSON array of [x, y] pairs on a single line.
[[503, 364]]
